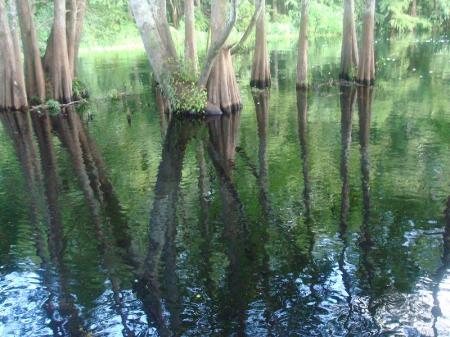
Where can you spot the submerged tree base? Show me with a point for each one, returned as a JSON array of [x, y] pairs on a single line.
[[222, 87], [215, 110], [302, 86], [261, 84], [347, 77], [364, 82], [9, 109]]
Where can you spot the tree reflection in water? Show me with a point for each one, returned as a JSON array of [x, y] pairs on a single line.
[[266, 255]]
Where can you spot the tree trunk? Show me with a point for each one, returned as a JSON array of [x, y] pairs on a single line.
[[274, 13], [12, 87], [302, 61], [260, 77], [414, 8], [60, 67], [174, 13], [71, 19], [76, 10], [151, 20], [81, 11], [190, 50], [48, 55], [222, 86], [34, 73], [14, 27], [366, 71], [349, 51], [259, 6]]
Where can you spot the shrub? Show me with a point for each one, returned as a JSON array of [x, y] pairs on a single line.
[[182, 91], [79, 89], [53, 106]]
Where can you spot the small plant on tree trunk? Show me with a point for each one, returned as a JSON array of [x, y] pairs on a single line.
[[183, 93], [217, 74]]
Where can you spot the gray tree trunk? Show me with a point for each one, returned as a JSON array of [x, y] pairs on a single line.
[[366, 71], [60, 68], [349, 51], [151, 20], [302, 61], [222, 86], [190, 49], [260, 77], [12, 86], [34, 73]]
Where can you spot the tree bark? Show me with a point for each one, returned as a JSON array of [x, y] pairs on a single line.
[[174, 14], [366, 71], [34, 73], [75, 18], [81, 11], [302, 61], [12, 87], [48, 55], [14, 27], [349, 51], [76, 9], [151, 20], [190, 50], [222, 86], [217, 44], [260, 77], [414, 8], [71, 20], [60, 67]]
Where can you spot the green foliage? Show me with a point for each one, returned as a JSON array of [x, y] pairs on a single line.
[[43, 21], [34, 100], [246, 10], [110, 23], [79, 89], [54, 107], [115, 94], [201, 20], [396, 16], [182, 91]]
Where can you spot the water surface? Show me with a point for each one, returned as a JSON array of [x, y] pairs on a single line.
[[306, 214]]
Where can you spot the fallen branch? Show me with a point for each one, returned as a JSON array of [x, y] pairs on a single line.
[[62, 106]]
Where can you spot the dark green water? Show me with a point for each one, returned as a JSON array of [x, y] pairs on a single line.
[[318, 214]]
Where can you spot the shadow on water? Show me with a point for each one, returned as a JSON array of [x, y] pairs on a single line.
[[60, 305], [365, 99], [223, 133], [162, 232], [347, 102]]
